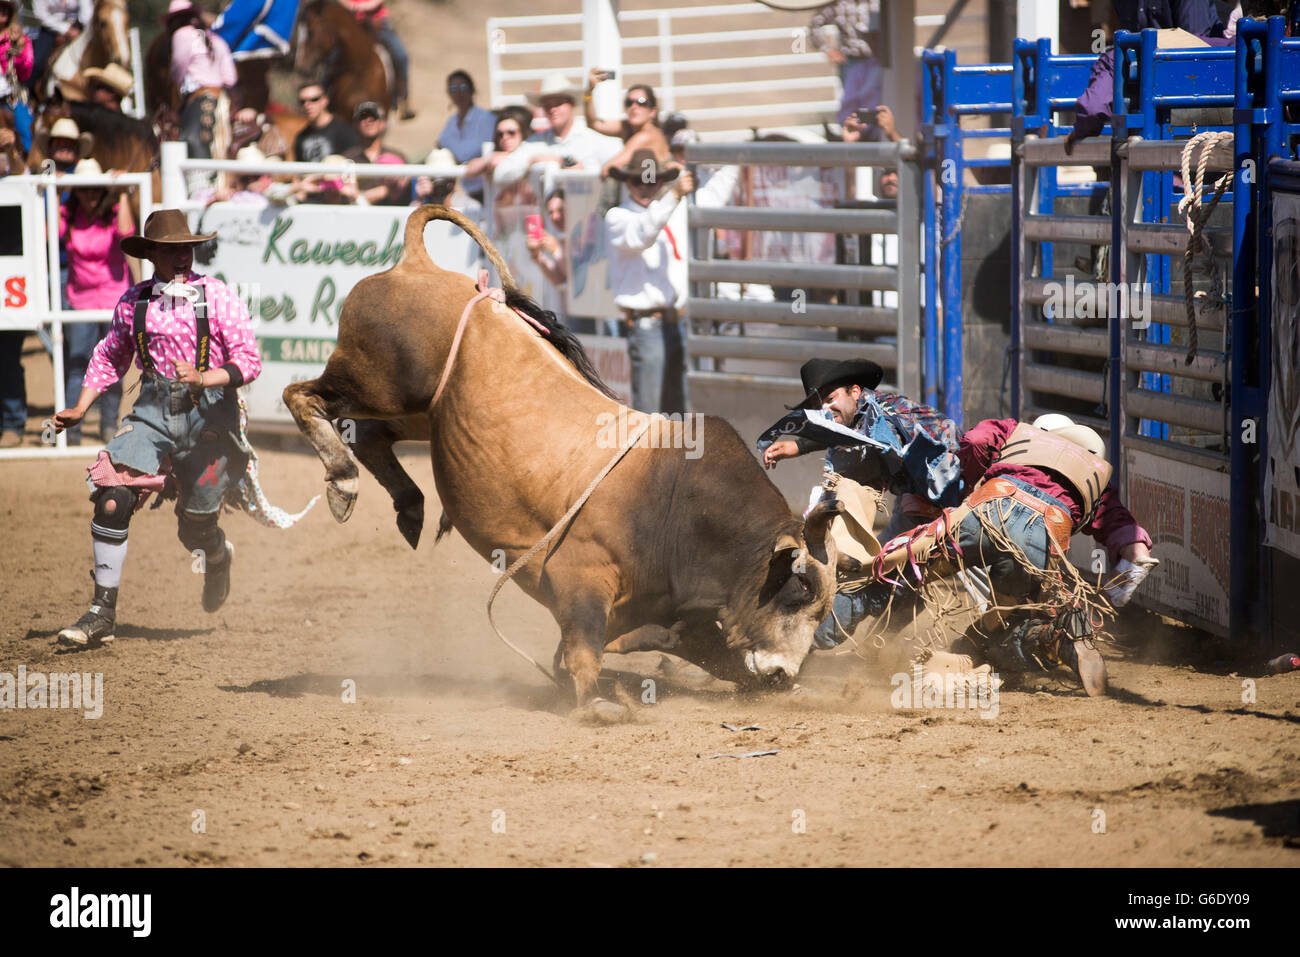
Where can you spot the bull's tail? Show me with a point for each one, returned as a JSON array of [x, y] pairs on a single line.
[[416, 252]]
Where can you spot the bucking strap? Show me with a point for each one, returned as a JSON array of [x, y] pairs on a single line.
[[203, 352]]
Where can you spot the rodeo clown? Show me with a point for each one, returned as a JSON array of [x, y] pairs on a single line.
[[1032, 488], [874, 440], [192, 338]]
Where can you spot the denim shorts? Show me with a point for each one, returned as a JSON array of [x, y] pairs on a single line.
[[1022, 525], [200, 438]]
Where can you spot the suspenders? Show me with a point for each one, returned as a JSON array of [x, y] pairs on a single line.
[[203, 353]]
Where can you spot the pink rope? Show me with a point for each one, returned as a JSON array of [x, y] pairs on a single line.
[[496, 295]]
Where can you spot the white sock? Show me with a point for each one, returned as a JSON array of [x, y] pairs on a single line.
[[109, 559]]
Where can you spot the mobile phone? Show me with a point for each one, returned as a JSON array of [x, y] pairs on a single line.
[[568, 161], [608, 74], [533, 226], [867, 117]]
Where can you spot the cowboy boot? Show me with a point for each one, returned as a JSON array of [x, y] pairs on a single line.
[[1077, 651], [96, 626], [216, 581]]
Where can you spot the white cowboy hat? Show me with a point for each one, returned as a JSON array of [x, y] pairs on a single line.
[[557, 84], [65, 128], [86, 167], [251, 154], [441, 159], [114, 76], [1081, 435]]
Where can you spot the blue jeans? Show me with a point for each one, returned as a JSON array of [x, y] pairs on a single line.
[[13, 383], [861, 78], [658, 365], [79, 341], [401, 61], [200, 439], [1020, 523]]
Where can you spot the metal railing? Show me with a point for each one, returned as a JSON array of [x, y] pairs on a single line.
[[813, 324]]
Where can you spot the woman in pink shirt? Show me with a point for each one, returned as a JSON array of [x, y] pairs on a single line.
[[202, 68], [91, 222]]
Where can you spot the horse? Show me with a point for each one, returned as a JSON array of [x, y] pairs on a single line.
[[104, 42], [655, 553], [336, 50]]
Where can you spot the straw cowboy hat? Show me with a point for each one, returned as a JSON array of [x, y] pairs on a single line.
[[640, 164], [164, 227], [114, 76], [557, 84], [65, 129], [822, 376], [86, 167]]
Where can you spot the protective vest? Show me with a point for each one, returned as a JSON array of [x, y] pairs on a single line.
[[1086, 474]]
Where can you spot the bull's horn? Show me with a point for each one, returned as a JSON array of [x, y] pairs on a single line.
[[818, 522]]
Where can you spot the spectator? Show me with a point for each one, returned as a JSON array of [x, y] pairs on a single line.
[[15, 70], [672, 124], [107, 87], [325, 134], [374, 14], [647, 272], [91, 222], [202, 69], [548, 251], [511, 131], [848, 32], [565, 144], [467, 130], [248, 189], [59, 19], [371, 125], [638, 130], [64, 144], [333, 189], [880, 128]]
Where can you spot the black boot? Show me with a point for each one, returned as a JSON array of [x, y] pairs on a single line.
[[95, 627], [216, 581]]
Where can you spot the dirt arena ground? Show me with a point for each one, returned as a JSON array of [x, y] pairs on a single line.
[[225, 739]]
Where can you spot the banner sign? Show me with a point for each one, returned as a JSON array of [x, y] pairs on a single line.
[[22, 252], [587, 249], [1185, 510], [1282, 475], [294, 268]]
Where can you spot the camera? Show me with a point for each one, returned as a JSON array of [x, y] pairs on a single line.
[[608, 74], [867, 117]]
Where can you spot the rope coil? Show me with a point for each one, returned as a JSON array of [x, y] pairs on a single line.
[[1197, 213]]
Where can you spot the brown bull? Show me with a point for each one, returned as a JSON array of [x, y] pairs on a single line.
[[697, 555]]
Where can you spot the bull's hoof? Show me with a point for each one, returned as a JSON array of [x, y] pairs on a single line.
[[342, 496], [603, 711], [410, 522]]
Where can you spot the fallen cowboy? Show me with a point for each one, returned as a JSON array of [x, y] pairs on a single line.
[[629, 548], [1033, 486]]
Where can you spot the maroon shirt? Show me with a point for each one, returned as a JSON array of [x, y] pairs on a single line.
[[1113, 526]]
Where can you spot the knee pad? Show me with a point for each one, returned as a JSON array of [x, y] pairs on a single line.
[[201, 532], [113, 507]]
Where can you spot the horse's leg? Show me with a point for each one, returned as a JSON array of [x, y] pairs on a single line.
[[374, 449], [338, 394]]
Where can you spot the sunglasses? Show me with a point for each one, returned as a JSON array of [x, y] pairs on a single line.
[[457, 87], [504, 133], [635, 101], [304, 100]]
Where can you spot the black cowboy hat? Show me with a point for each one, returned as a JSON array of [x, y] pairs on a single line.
[[823, 376], [640, 163], [163, 227]]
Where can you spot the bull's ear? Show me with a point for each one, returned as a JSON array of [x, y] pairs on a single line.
[[786, 542]]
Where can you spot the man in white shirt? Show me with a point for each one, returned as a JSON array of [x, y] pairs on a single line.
[[648, 255], [566, 144]]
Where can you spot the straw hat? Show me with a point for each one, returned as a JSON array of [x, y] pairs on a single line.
[[114, 76], [1081, 435], [557, 84], [252, 154], [166, 227], [65, 128], [87, 167]]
